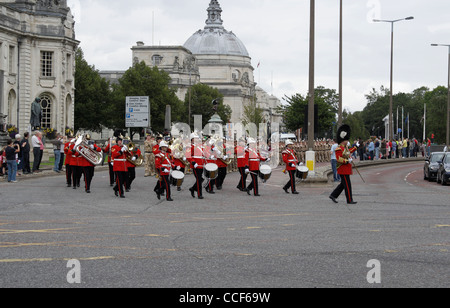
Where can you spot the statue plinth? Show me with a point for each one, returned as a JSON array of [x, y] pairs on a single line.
[[3, 134]]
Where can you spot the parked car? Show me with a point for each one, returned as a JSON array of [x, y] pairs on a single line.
[[443, 174], [431, 166]]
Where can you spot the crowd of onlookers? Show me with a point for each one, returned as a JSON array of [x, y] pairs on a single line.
[[15, 156]]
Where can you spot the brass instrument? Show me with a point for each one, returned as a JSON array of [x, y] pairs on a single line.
[[132, 152], [345, 155], [84, 149], [221, 150], [177, 150]]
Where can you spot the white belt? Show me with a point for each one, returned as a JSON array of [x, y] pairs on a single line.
[[120, 160], [197, 157], [255, 160]]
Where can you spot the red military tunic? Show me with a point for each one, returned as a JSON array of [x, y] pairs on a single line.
[[163, 162], [119, 159], [242, 156], [289, 158], [196, 156], [346, 166], [68, 153], [254, 159]]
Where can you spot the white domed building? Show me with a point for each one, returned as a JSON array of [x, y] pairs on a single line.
[[215, 57]]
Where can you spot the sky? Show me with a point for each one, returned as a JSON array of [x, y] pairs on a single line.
[[276, 35]]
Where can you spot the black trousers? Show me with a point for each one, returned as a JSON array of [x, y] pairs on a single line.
[[36, 158], [254, 184], [164, 185], [112, 175], [121, 177], [69, 171], [346, 185], [198, 173], [77, 171], [291, 183], [130, 178], [221, 178], [243, 181], [26, 162], [88, 176]]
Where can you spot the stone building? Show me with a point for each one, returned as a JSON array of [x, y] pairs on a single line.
[[37, 59], [212, 56]]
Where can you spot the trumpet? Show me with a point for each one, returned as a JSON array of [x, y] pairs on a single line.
[[83, 148]]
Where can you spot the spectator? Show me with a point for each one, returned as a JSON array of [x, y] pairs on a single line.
[[336, 176], [61, 161], [19, 155], [11, 150], [57, 151], [25, 150], [377, 149], [404, 147], [36, 144], [371, 149]]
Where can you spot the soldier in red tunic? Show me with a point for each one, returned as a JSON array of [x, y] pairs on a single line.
[[241, 152], [164, 165], [291, 162], [254, 159], [344, 161], [118, 155], [196, 158]]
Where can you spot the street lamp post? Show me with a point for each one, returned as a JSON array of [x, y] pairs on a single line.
[[448, 99], [340, 66], [391, 119]]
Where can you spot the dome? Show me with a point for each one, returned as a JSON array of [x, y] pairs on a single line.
[[214, 39]]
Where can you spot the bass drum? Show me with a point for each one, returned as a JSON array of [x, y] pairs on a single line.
[[211, 171], [302, 172], [265, 172], [177, 178]]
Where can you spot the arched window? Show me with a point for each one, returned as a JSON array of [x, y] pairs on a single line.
[[46, 104]]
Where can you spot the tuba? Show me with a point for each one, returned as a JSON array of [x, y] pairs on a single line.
[[83, 148]]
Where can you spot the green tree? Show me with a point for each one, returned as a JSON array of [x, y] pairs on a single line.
[[201, 104], [327, 101], [92, 95], [356, 122], [437, 113]]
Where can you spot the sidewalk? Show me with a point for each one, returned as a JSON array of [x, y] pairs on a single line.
[[324, 171]]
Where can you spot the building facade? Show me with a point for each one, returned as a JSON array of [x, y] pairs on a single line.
[[212, 56], [37, 59]]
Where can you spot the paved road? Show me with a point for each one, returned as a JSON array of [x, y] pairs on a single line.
[[229, 239]]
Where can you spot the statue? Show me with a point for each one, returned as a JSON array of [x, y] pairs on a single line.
[[36, 114]]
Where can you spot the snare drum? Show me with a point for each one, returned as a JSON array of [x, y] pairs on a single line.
[[302, 172], [177, 178], [211, 171], [265, 172]]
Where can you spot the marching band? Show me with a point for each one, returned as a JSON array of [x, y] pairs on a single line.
[[171, 160]]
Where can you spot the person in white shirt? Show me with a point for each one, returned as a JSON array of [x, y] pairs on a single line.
[[36, 145], [336, 176]]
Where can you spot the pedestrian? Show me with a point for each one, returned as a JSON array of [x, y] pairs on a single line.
[[57, 151], [25, 149], [336, 176], [3, 162], [377, 149], [11, 152], [371, 149], [36, 144], [18, 142]]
